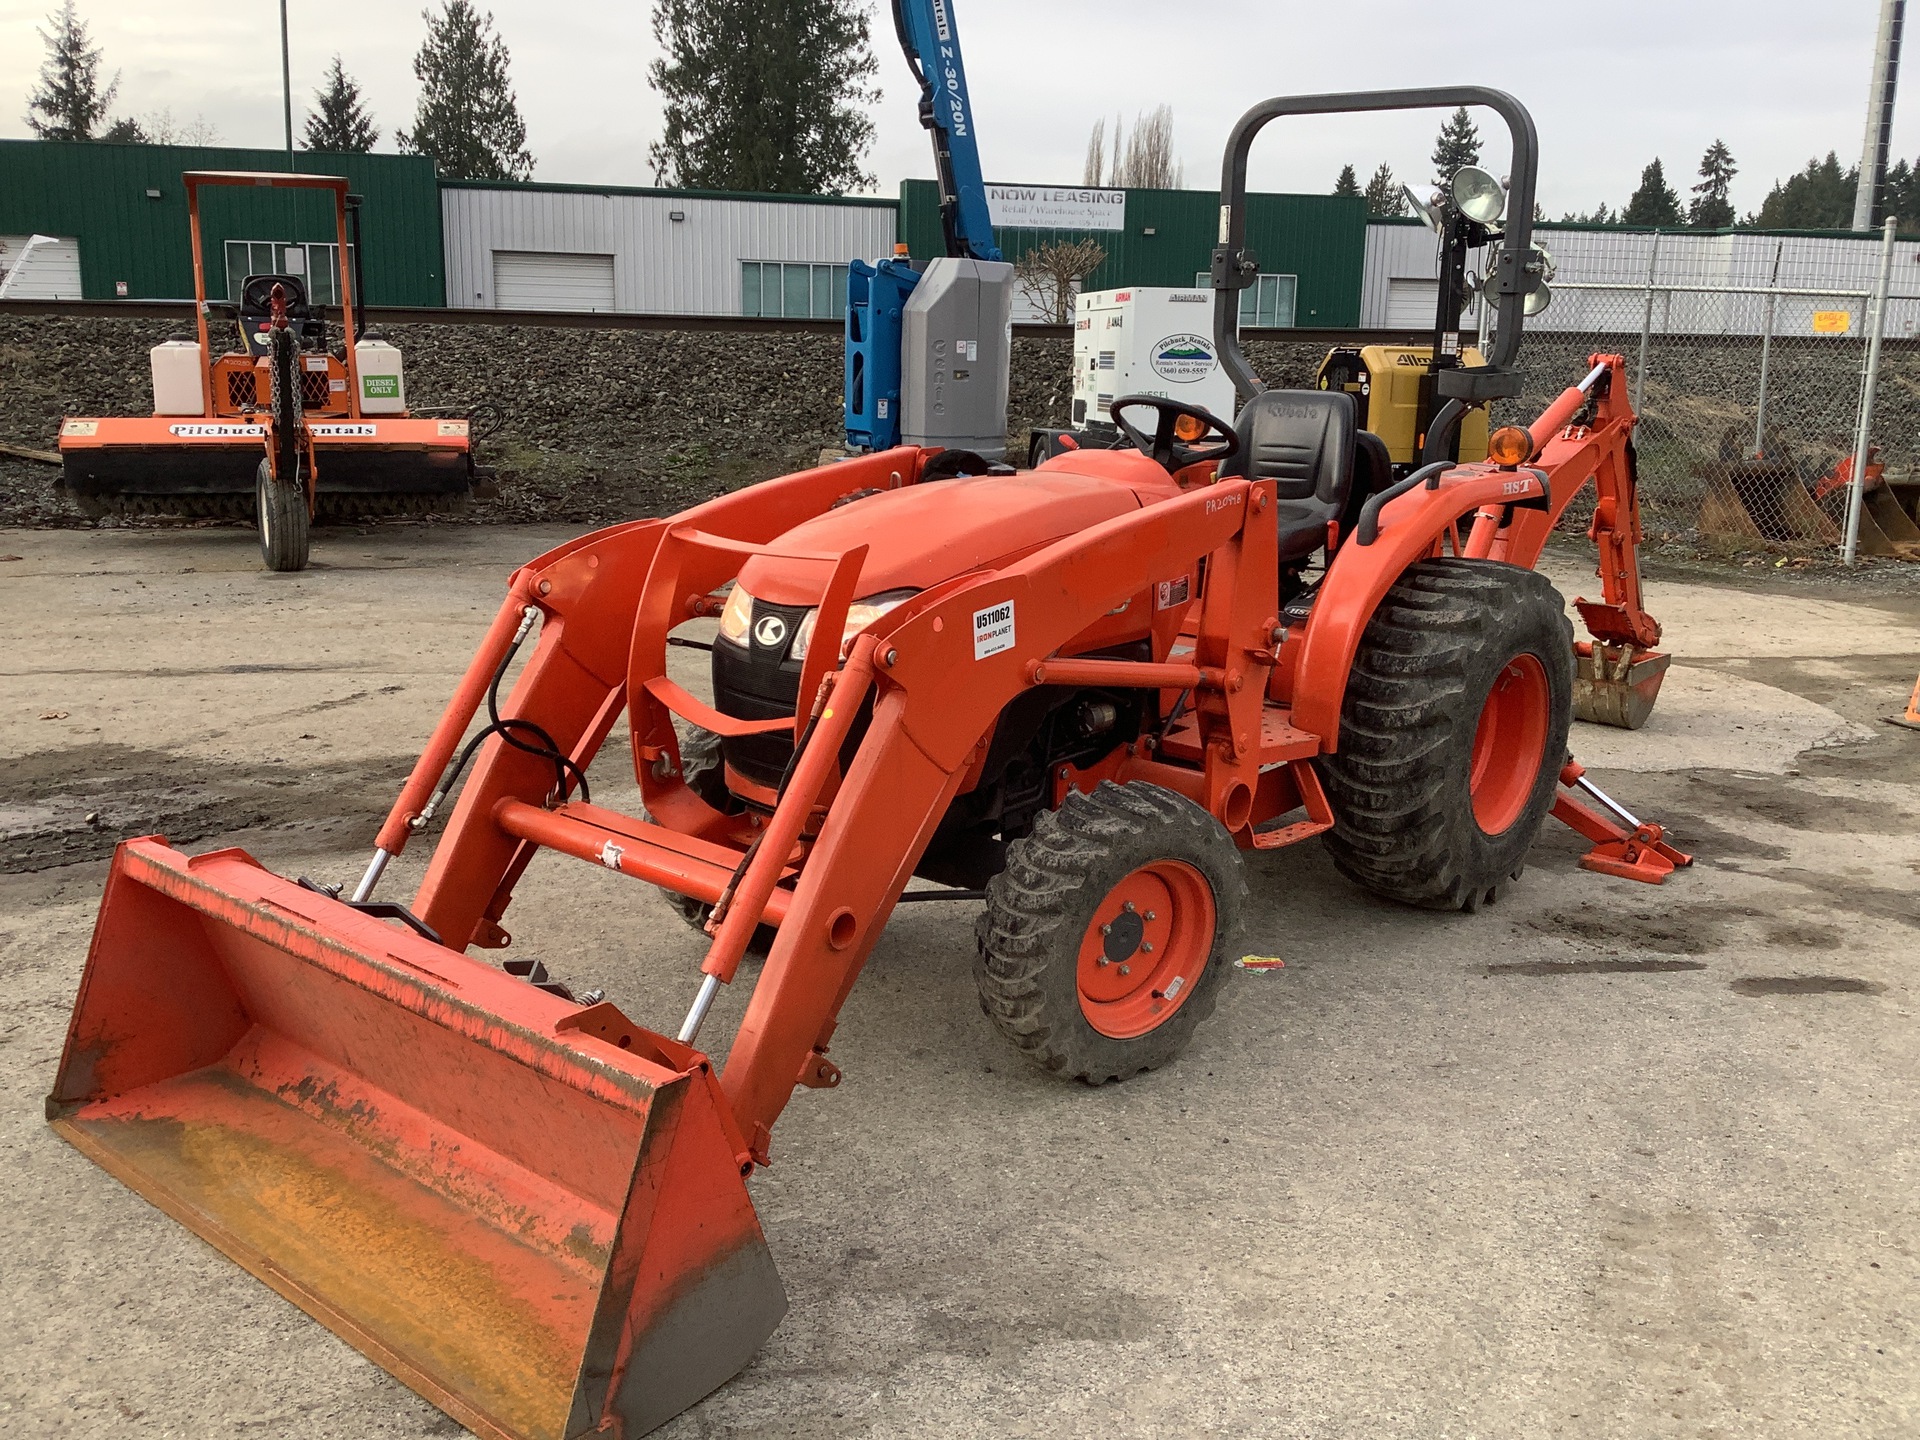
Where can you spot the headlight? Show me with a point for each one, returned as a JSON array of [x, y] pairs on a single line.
[[737, 612], [860, 614]]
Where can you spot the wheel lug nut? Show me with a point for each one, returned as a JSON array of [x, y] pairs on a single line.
[[1152, 916], [1147, 945], [1104, 962], [1128, 907], [1106, 929], [1126, 970]]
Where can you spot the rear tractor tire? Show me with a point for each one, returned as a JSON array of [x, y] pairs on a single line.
[[280, 510], [1452, 733], [1106, 938]]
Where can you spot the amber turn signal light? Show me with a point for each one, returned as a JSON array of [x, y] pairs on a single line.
[[1188, 427], [1509, 445]]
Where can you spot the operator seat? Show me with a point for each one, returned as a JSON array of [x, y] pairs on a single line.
[[1304, 441], [256, 312]]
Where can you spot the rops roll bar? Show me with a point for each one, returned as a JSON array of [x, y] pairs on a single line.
[[1235, 268]]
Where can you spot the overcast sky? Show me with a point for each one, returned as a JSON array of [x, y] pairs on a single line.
[[1610, 87]]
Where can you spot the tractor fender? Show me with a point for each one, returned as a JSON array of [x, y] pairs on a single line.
[[1412, 527]]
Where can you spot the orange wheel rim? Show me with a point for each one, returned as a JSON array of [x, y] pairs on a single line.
[[1145, 948], [1509, 744]]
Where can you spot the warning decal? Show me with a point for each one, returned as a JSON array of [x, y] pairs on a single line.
[[993, 630]]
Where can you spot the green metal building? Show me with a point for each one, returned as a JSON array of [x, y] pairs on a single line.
[[1311, 248], [128, 210]]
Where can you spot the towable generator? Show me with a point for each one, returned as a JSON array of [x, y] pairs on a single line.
[[1081, 694], [283, 426]]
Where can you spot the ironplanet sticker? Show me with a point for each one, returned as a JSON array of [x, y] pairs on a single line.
[[993, 630], [217, 432]]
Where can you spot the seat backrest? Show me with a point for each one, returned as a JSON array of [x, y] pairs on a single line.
[[1303, 441]]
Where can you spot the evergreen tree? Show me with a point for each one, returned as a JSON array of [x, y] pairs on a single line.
[[69, 100], [341, 123], [468, 119], [1655, 202], [765, 97], [1384, 200], [1820, 197], [1348, 183], [1457, 145], [1901, 197], [1601, 216], [127, 131], [1710, 209]]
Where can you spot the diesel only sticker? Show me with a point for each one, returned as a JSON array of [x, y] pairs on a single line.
[[992, 630]]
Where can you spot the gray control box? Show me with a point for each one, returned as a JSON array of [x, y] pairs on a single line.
[[956, 342]]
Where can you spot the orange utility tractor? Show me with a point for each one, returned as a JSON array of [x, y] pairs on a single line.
[[1080, 694], [281, 428]]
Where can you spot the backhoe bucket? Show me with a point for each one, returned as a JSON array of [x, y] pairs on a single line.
[[532, 1213]]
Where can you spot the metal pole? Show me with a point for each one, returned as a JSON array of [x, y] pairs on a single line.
[[1873, 149], [1877, 324], [1766, 355], [286, 79], [1646, 325]]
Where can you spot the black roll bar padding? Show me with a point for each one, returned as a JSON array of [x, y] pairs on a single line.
[[1234, 269]]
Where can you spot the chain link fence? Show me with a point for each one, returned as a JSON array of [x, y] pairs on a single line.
[[1751, 358]]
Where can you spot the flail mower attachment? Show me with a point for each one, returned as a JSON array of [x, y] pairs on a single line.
[[532, 1213]]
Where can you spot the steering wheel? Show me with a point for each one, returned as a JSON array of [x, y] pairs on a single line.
[[1176, 431]]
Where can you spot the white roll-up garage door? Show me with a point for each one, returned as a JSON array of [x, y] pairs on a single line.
[[1411, 303], [39, 267], [526, 280]]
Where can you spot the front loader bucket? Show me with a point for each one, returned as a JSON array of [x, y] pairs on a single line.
[[532, 1213]]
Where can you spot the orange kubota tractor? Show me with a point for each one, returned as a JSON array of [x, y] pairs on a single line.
[[1094, 687]]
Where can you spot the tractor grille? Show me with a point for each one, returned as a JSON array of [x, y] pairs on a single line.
[[314, 393], [240, 390]]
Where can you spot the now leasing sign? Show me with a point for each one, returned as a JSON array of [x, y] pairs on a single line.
[[1049, 207]]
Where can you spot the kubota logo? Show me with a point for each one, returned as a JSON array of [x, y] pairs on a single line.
[[771, 631]]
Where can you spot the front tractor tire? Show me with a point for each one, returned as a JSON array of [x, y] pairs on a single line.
[[1452, 733], [281, 513], [1107, 935]]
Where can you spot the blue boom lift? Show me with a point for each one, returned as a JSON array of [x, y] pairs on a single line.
[[878, 293]]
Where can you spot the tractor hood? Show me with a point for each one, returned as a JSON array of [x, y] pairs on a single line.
[[923, 534]]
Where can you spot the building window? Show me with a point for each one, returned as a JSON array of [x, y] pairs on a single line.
[[1267, 304], [792, 292], [316, 264]]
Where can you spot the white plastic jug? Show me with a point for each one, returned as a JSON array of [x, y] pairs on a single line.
[[383, 383], [177, 378]]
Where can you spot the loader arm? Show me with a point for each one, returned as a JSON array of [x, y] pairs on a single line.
[[936, 697]]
